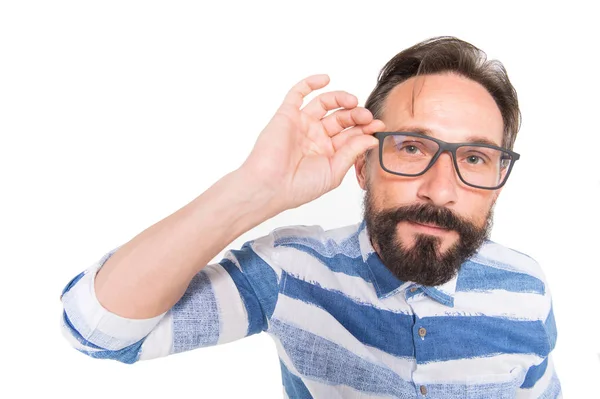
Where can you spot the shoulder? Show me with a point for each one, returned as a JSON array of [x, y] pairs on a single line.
[[502, 258], [314, 237], [294, 248], [505, 282]]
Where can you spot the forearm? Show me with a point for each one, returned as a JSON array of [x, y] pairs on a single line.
[[151, 272]]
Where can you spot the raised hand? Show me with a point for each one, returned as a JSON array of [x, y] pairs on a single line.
[[303, 153]]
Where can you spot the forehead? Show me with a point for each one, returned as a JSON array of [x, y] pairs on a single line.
[[451, 107]]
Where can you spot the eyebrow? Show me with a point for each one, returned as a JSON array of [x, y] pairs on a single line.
[[428, 132]]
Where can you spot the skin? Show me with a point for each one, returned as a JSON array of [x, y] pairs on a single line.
[[454, 109], [301, 154]]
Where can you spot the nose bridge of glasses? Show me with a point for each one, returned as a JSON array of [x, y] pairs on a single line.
[[445, 151], [444, 168]]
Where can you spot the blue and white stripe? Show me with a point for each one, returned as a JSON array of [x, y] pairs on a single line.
[[343, 325]]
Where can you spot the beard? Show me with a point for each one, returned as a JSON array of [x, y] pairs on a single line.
[[423, 263]]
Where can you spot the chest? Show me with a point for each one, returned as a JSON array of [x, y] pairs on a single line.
[[402, 347]]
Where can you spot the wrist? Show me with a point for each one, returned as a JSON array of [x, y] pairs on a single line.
[[246, 200]]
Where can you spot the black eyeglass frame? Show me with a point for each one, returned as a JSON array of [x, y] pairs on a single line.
[[443, 147]]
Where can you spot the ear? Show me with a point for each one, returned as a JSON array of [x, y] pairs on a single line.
[[361, 169]]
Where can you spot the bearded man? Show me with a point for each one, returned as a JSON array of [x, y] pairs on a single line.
[[413, 301]]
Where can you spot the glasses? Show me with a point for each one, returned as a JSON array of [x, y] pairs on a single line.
[[412, 154]]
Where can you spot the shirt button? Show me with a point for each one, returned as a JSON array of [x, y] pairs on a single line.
[[422, 332], [423, 390], [413, 289]]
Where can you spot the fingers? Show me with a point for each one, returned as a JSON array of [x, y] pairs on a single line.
[[345, 157], [342, 119], [340, 139], [295, 96], [350, 144], [323, 103]]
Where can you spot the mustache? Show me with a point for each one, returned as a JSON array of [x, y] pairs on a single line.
[[430, 214]]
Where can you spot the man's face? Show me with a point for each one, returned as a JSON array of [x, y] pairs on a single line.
[[453, 109]]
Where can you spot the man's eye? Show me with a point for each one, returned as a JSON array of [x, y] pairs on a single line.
[[474, 160]]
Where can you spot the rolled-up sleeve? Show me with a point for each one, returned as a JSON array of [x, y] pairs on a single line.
[[226, 301]]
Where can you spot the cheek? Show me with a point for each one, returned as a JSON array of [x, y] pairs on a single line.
[[476, 207], [394, 191]]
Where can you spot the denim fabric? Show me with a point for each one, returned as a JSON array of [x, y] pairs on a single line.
[[195, 317]]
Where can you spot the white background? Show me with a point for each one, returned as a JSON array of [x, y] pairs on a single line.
[[115, 114]]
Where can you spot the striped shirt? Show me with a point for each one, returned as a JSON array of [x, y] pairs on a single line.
[[343, 324]]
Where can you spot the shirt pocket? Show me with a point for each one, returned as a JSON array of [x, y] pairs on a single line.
[[497, 386]]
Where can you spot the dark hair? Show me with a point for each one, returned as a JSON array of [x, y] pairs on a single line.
[[448, 54]]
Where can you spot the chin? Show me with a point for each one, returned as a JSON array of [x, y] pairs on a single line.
[[447, 244], [444, 244]]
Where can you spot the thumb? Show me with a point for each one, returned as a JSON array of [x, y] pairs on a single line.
[[345, 157]]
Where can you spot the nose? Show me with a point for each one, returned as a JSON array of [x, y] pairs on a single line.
[[440, 182]]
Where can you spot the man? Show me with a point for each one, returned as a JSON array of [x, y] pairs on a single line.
[[413, 301]]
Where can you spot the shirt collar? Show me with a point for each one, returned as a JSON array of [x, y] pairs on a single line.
[[387, 284]]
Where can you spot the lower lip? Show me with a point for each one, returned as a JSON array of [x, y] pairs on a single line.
[[428, 229]]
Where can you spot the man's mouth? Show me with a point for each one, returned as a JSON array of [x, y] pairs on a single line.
[[429, 227]]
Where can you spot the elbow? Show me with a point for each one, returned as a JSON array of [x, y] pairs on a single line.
[[99, 346]]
